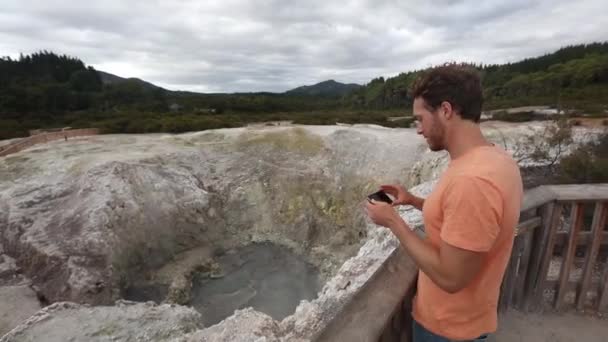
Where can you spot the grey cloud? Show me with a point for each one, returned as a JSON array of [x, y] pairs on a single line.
[[273, 45]]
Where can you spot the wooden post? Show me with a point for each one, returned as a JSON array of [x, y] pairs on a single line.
[[522, 277], [543, 250], [528, 225], [576, 217], [597, 227], [510, 276], [603, 303]]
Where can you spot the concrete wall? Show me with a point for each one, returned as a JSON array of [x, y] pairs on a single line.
[[43, 138], [380, 311]]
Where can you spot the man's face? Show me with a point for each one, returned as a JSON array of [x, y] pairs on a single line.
[[429, 125]]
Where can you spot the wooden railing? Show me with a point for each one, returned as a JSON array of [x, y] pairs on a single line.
[[560, 250], [41, 138], [553, 221]]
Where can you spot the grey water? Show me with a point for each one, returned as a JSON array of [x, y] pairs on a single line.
[[267, 277], [148, 292]]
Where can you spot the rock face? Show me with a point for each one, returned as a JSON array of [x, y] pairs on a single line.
[[130, 321], [82, 217], [127, 321], [19, 300], [244, 326], [86, 219], [18, 303], [8, 268]]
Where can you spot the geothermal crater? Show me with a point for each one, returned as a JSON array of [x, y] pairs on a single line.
[[218, 221], [202, 224]]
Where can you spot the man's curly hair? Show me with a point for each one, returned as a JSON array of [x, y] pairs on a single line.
[[458, 84]]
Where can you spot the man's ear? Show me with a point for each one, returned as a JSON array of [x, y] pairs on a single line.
[[447, 110]]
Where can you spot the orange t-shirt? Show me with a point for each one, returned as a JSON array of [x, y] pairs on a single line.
[[475, 206]]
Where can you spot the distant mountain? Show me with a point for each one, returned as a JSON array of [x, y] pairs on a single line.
[[328, 88], [107, 78]]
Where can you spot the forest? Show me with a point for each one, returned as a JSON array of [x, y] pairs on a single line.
[[46, 90]]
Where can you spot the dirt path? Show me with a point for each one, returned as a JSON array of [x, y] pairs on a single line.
[[516, 326]]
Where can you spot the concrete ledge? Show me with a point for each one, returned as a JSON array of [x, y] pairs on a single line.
[[366, 316]]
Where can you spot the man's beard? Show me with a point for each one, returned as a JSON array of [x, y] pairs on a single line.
[[435, 146], [434, 139]]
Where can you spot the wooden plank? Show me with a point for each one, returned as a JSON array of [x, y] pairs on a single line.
[[527, 225], [580, 192], [571, 192], [597, 226], [576, 217], [511, 276], [503, 303], [536, 197], [522, 277], [584, 238], [572, 285], [506, 290], [548, 251], [539, 240], [603, 302]]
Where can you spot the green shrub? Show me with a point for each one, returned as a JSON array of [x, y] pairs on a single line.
[[11, 129], [586, 164], [518, 117], [576, 122]]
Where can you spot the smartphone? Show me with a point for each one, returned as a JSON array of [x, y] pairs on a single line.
[[380, 196]]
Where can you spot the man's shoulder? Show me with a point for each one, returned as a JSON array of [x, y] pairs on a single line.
[[490, 164], [470, 180], [494, 168], [495, 156]]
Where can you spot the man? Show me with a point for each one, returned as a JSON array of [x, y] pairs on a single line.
[[469, 218]]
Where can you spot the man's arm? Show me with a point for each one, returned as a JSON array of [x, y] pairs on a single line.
[[451, 268], [471, 210], [417, 202]]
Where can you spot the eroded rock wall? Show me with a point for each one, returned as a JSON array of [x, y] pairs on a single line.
[[85, 218]]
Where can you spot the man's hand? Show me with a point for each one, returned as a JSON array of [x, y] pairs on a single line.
[[402, 196], [382, 214]]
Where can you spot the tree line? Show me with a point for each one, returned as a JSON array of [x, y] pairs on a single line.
[[571, 76], [45, 90]]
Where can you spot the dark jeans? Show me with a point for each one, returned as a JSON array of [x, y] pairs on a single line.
[[421, 334]]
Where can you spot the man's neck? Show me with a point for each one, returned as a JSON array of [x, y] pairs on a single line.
[[464, 138]]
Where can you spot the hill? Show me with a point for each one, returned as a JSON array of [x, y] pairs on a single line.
[[108, 78], [329, 88]]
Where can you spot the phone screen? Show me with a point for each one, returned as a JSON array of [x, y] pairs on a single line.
[[380, 196]]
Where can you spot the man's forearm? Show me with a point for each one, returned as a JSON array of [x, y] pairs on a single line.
[[417, 202], [424, 254]]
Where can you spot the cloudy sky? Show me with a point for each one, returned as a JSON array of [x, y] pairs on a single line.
[[275, 45]]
